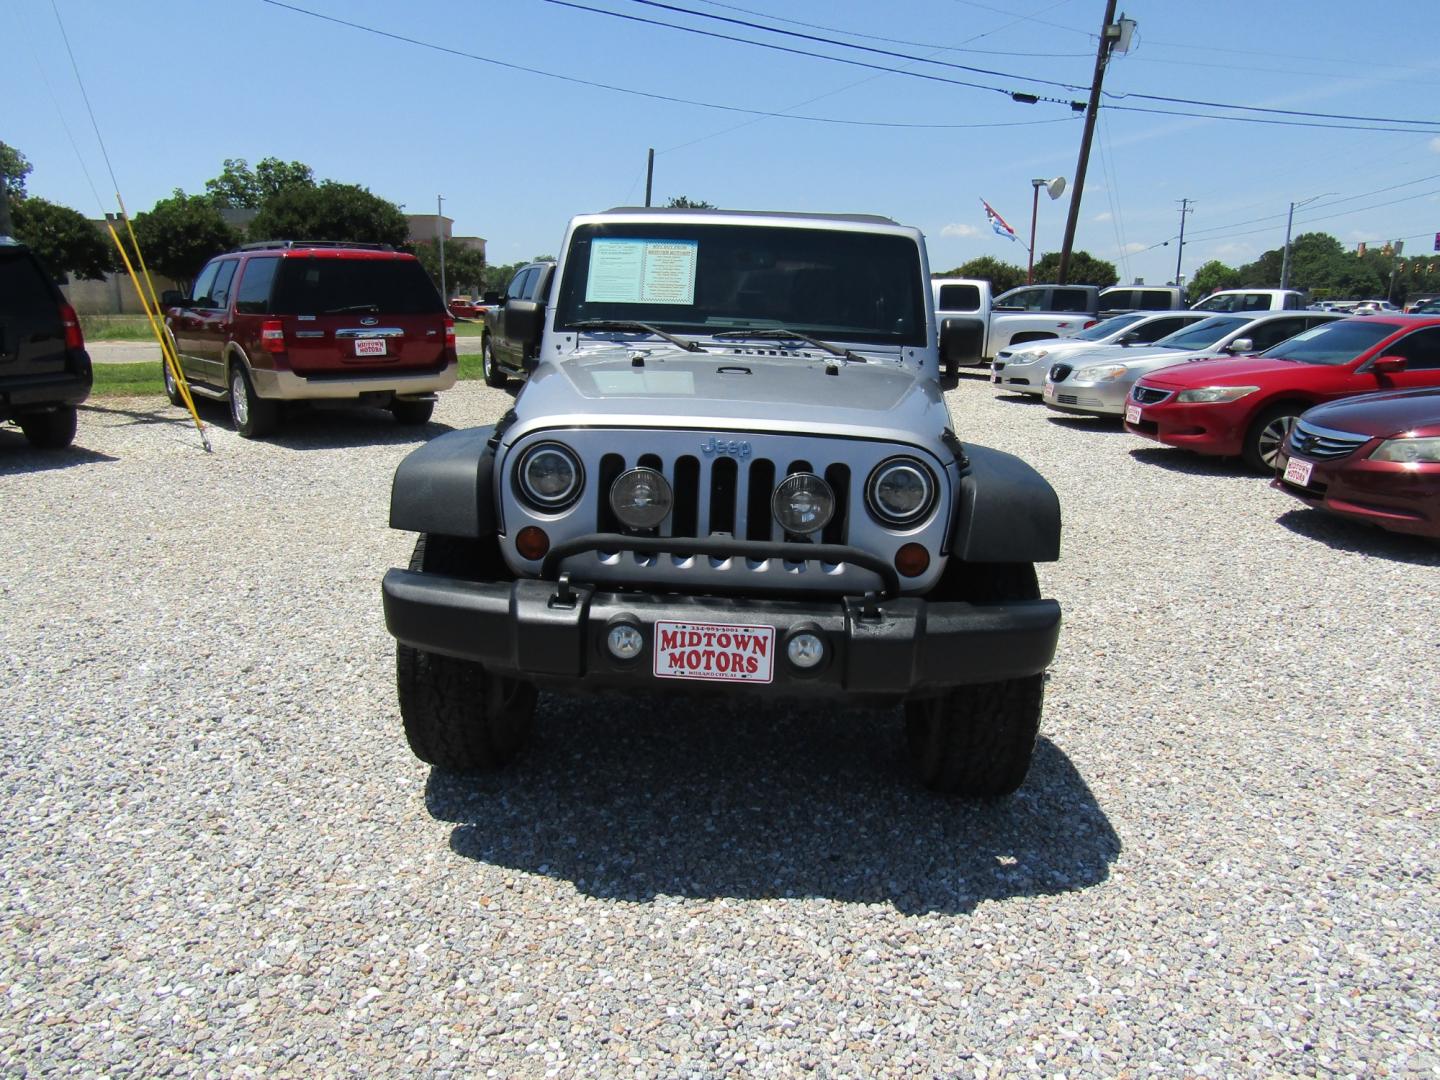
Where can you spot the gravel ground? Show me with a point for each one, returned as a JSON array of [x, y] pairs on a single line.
[[219, 858]]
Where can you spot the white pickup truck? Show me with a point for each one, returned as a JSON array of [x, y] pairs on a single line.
[[972, 325]]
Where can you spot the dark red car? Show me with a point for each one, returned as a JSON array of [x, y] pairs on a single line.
[[1374, 458], [1246, 406], [462, 308]]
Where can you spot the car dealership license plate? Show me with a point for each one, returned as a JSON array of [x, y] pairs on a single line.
[[714, 652], [370, 346], [1049, 388], [1132, 414], [1298, 472]]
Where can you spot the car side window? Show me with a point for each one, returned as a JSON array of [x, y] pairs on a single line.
[[200, 291], [1071, 300], [959, 298], [220, 291], [1274, 332], [532, 284], [253, 296], [1154, 301], [1421, 349], [1122, 299], [1256, 302], [1159, 328], [518, 283]]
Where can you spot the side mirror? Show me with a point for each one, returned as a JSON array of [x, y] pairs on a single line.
[[525, 322], [1129, 338], [1240, 345], [171, 298], [490, 298], [1388, 365]]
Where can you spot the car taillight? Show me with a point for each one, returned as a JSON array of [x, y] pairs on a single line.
[[74, 339], [1088, 324], [449, 332], [272, 335]]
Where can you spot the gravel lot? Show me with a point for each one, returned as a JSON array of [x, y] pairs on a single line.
[[219, 858]]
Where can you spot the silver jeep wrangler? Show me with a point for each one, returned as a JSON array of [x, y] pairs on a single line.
[[731, 469]]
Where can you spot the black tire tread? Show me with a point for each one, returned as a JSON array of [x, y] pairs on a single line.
[[494, 374], [412, 413], [53, 430], [977, 741], [264, 415]]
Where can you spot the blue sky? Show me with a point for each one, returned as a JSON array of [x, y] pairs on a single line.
[[177, 86]]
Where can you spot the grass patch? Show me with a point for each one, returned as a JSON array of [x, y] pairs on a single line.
[[116, 328], [469, 329], [128, 380], [472, 367]]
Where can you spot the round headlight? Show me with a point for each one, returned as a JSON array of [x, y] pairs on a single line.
[[803, 503], [641, 498], [900, 491], [549, 476]]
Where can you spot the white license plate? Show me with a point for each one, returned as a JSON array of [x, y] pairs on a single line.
[[1132, 414], [994, 376], [370, 346], [714, 652], [1298, 472], [1049, 388]]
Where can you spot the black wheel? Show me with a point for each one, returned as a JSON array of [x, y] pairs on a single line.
[[252, 414], [172, 388], [494, 375], [412, 413], [1267, 435], [977, 740], [53, 430], [459, 716]]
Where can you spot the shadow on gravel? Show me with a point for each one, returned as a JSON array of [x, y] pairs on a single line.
[[17, 456], [162, 413], [1101, 425], [1019, 399], [1341, 534], [334, 429], [1183, 461], [631, 800]]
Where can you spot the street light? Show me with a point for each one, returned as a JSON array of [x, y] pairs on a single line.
[[1056, 188], [1289, 220]]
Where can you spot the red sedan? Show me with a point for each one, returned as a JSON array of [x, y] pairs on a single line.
[[1245, 407], [1374, 458], [463, 308]]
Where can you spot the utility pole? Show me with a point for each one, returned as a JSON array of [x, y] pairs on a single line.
[[1289, 221], [1184, 209], [6, 229], [440, 243], [649, 175], [1109, 34]]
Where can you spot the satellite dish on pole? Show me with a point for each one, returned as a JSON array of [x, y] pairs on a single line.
[[1056, 187]]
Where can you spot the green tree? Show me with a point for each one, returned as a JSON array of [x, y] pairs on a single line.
[[330, 211], [63, 239], [14, 167], [181, 234], [464, 266], [1085, 269], [683, 202], [1213, 275], [239, 186], [1001, 275]]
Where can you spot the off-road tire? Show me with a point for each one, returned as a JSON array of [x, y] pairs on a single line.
[[494, 375], [458, 716], [1267, 434], [252, 415], [412, 413], [977, 741], [53, 430]]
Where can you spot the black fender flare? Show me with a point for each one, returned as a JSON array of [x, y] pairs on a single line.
[[1006, 511], [447, 486]]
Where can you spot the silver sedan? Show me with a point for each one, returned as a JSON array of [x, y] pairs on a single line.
[[1096, 382], [1021, 369]]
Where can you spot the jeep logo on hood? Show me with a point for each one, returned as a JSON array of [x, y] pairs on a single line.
[[733, 447]]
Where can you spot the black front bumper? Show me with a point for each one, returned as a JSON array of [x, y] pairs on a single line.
[[903, 647], [22, 392]]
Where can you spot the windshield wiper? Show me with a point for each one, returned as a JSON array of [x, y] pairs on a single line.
[[625, 324], [373, 308], [793, 335]]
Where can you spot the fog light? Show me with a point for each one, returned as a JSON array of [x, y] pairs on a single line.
[[531, 542], [624, 642], [803, 503], [641, 498], [912, 560], [805, 650]]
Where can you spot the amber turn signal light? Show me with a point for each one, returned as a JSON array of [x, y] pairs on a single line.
[[531, 542], [912, 560]]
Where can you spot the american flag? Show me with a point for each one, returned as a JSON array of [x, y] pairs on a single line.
[[998, 223]]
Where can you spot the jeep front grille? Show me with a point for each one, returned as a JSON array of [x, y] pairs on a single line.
[[725, 496]]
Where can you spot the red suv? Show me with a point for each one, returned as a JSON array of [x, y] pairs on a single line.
[[309, 320]]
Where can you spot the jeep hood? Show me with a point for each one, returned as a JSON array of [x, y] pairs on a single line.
[[758, 389]]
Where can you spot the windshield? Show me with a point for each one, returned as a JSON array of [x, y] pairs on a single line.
[[695, 278], [1104, 329], [1204, 333], [1332, 343]]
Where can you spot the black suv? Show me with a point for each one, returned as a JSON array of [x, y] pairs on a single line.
[[44, 368]]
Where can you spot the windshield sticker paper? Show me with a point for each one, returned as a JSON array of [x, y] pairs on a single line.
[[642, 271], [637, 383]]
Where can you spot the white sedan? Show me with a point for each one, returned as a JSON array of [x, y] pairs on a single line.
[[1021, 369]]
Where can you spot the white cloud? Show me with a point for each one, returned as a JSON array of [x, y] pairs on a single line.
[[959, 230], [1106, 216], [1435, 144], [1135, 249]]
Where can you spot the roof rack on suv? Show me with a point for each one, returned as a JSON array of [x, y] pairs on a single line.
[[263, 245]]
